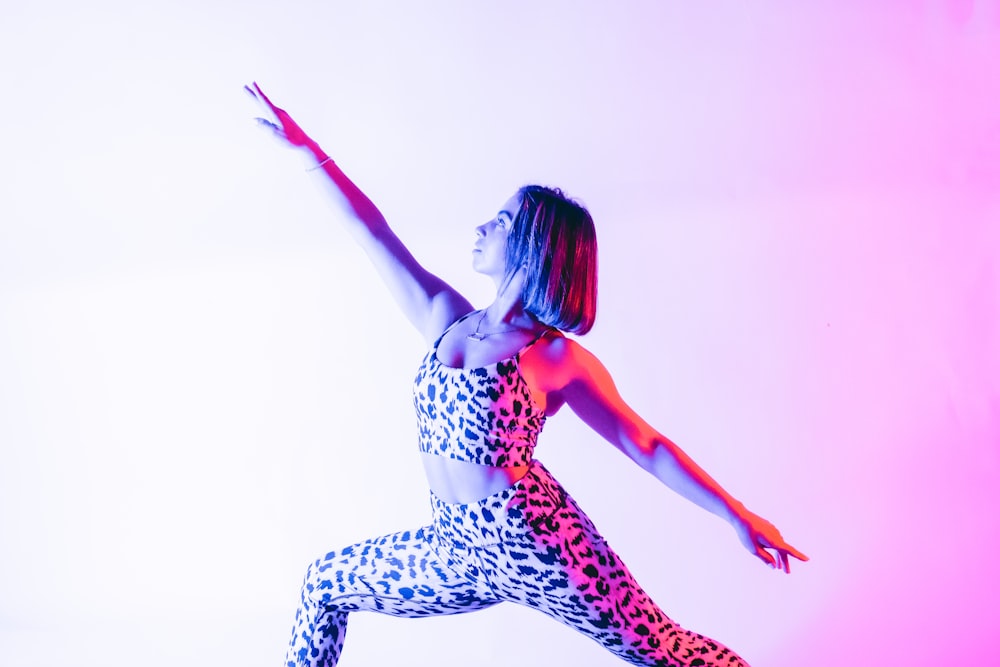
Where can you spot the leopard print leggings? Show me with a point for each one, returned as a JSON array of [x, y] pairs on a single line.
[[529, 544]]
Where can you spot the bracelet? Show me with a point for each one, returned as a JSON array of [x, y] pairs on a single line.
[[325, 160]]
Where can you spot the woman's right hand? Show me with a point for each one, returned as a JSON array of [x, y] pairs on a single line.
[[760, 537], [277, 120]]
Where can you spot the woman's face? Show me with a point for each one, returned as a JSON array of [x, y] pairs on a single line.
[[489, 256]]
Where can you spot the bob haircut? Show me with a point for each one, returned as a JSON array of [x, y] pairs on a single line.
[[553, 238]]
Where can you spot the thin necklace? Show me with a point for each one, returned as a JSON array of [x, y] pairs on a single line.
[[477, 336]]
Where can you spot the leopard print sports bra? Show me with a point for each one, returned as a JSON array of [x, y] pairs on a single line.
[[481, 415]]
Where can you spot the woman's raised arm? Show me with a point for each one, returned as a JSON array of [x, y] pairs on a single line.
[[564, 369], [427, 301]]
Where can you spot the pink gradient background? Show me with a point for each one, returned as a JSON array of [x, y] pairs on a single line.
[[201, 387]]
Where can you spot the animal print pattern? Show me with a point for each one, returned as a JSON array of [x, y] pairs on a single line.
[[530, 544], [483, 415]]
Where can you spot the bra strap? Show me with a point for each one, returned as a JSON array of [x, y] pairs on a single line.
[[545, 332]]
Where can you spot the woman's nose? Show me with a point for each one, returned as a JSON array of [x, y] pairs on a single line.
[[481, 230]]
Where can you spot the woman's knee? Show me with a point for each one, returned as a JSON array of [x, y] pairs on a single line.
[[319, 574]]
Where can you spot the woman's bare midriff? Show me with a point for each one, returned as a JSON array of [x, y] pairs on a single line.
[[463, 482]]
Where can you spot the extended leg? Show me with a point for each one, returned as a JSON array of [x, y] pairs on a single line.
[[557, 562]]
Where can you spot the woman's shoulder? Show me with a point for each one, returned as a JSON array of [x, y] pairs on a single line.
[[557, 347], [557, 357], [562, 367]]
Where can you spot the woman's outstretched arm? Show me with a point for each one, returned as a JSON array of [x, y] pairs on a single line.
[[427, 301], [566, 370]]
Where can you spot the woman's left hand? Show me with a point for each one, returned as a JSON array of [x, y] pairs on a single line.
[[278, 121], [760, 537]]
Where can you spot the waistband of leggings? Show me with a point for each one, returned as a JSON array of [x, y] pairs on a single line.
[[502, 497], [486, 521]]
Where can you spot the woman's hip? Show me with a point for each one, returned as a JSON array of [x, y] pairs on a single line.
[[525, 511]]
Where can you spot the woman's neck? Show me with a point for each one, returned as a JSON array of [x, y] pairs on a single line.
[[508, 306]]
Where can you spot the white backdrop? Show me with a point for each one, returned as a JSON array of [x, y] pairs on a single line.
[[202, 387]]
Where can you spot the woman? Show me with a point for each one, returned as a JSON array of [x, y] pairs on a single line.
[[503, 528]]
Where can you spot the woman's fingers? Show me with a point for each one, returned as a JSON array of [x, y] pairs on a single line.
[[762, 538], [787, 550], [783, 561], [778, 560], [759, 549], [268, 125], [264, 97], [795, 552], [258, 96], [782, 551], [278, 121], [274, 121]]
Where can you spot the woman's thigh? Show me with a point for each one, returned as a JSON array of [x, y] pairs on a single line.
[[407, 573], [563, 567]]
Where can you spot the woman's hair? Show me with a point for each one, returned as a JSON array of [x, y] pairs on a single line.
[[553, 238]]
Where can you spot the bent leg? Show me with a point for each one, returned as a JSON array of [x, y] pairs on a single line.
[[562, 566], [404, 574]]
